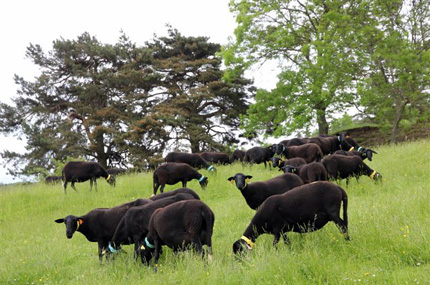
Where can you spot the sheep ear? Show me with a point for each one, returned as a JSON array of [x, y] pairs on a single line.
[[59, 221], [230, 179], [248, 177]]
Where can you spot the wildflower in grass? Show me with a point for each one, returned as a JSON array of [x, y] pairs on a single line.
[[405, 231]]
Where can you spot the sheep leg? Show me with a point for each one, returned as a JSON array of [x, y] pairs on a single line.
[[156, 253], [162, 188], [73, 186], [341, 225], [95, 183], [277, 234], [156, 185], [195, 241], [100, 245], [285, 238]]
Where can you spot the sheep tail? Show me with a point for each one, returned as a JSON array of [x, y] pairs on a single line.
[[345, 206], [209, 219]]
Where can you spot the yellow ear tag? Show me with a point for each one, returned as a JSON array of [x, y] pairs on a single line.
[[142, 247], [231, 181], [351, 149], [247, 180], [108, 178], [80, 221]]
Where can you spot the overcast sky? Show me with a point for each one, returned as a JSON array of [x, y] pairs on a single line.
[[41, 22]]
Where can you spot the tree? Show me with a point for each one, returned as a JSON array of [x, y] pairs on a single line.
[[121, 104], [311, 39], [397, 45], [75, 107], [192, 102]]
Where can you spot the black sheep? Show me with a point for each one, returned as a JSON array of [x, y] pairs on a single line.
[[237, 155], [361, 152], [310, 152], [276, 162], [329, 144], [179, 225], [296, 161], [314, 171], [259, 155], [216, 157], [171, 173], [192, 159], [296, 141], [174, 192], [304, 209], [53, 179], [133, 227], [257, 192], [99, 225], [342, 166], [80, 171]]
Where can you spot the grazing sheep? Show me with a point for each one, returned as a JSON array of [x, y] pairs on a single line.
[[179, 225], [309, 152], [133, 227], [361, 152], [81, 171], [304, 209], [99, 225], [53, 179], [329, 144], [192, 159], [297, 141], [276, 162], [284, 142], [314, 171], [237, 155], [259, 155], [216, 157], [257, 192], [174, 192], [296, 162], [342, 166], [171, 173]]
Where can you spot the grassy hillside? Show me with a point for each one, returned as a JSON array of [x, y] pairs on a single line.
[[389, 228]]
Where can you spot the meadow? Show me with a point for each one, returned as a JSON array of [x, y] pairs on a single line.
[[389, 225]]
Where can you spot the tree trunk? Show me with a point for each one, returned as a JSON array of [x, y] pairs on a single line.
[[99, 149], [322, 121], [195, 145], [400, 107]]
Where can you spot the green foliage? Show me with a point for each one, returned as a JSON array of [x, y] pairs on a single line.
[[373, 55], [398, 81], [388, 224], [313, 39]]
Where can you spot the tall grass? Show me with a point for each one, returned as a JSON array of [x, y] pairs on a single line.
[[389, 225]]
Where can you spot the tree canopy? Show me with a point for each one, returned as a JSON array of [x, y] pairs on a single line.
[[122, 104], [334, 55]]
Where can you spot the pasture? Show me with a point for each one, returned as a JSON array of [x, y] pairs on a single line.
[[389, 225]]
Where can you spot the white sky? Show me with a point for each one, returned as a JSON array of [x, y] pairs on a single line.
[[41, 22]]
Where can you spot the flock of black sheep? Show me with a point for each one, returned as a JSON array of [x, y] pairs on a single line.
[[300, 200]]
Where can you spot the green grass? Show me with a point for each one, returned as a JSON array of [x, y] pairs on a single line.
[[389, 225]]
